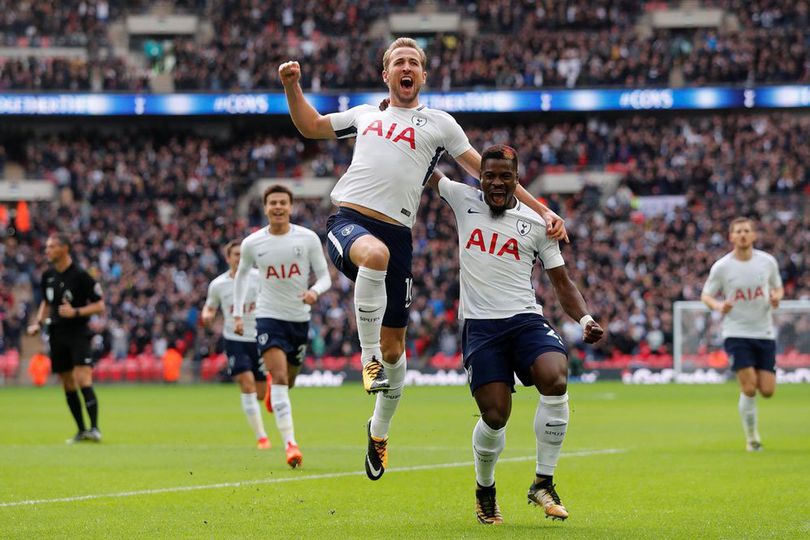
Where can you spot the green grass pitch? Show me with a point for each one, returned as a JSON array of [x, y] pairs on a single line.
[[638, 462]]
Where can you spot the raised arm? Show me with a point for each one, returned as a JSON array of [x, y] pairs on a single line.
[[310, 123], [573, 304], [555, 225]]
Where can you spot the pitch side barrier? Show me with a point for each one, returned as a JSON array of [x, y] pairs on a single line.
[[485, 101]]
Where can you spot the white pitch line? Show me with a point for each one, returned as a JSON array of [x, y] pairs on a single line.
[[176, 489]]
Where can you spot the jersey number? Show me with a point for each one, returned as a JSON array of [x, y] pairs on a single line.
[[408, 291], [301, 353], [553, 334]]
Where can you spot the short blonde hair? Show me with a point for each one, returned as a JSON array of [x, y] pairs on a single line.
[[737, 221], [401, 43]]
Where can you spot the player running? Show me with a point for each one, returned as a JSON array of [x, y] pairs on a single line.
[[370, 236], [244, 362], [748, 280], [505, 333], [284, 254]]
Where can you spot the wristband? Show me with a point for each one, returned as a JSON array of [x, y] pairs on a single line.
[[583, 322]]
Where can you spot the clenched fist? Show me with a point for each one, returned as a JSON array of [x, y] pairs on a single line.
[[592, 332], [289, 73]]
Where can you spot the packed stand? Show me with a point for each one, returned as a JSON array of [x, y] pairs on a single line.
[[150, 216], [40, 23], [562, 44]]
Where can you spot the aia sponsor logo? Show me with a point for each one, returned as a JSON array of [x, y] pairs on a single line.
[[393, 133], [494, 246], [748, 294], [282, 271]]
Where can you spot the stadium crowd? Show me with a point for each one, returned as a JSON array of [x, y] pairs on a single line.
[[150, 214], [562, 44]]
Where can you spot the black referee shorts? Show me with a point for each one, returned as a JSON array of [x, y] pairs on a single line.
[[69, 351]]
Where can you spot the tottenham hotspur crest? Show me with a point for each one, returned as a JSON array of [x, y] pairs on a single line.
[[298, 250], [523, 227], [418, 121]]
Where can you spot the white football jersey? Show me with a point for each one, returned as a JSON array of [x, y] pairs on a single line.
[[497, 255], [284, 262], [747, 285], [220, 295], [394, 156]]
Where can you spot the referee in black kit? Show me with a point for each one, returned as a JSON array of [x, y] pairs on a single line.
[[69, 297]]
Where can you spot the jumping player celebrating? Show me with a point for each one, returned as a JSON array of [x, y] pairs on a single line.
[[369, 237]]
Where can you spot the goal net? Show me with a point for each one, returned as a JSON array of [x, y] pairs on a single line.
[[698, 342]]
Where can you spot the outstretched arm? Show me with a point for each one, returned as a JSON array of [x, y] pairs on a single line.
[[573, 304], [555, 225], [309, 122]]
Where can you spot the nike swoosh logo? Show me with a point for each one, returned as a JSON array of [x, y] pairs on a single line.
[[261, 254], [375, 472], [368, 310], [471, 211], [556, 425]]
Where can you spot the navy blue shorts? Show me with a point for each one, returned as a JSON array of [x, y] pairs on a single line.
[[495, 350], [755, 353], [290, 337], [244, 356], [347, 226]]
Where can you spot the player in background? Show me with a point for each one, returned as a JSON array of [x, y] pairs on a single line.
[[70, 296], [505, 333], [244, 362], [285, 254], [748, 281], [370, 237]]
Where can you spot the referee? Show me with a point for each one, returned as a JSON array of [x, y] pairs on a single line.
[[69, 297]]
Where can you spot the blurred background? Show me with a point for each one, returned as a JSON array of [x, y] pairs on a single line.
[[147, 131]]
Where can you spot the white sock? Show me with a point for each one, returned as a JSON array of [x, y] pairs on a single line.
[[254, 414], [488, 444], [370, 301], [550, 425], [748, 414], [387, 401], [282, 410]]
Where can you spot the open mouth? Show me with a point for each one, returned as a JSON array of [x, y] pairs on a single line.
[[406, 82], [497, 197]]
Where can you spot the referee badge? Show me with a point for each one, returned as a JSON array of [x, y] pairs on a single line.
[[49, 294]]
